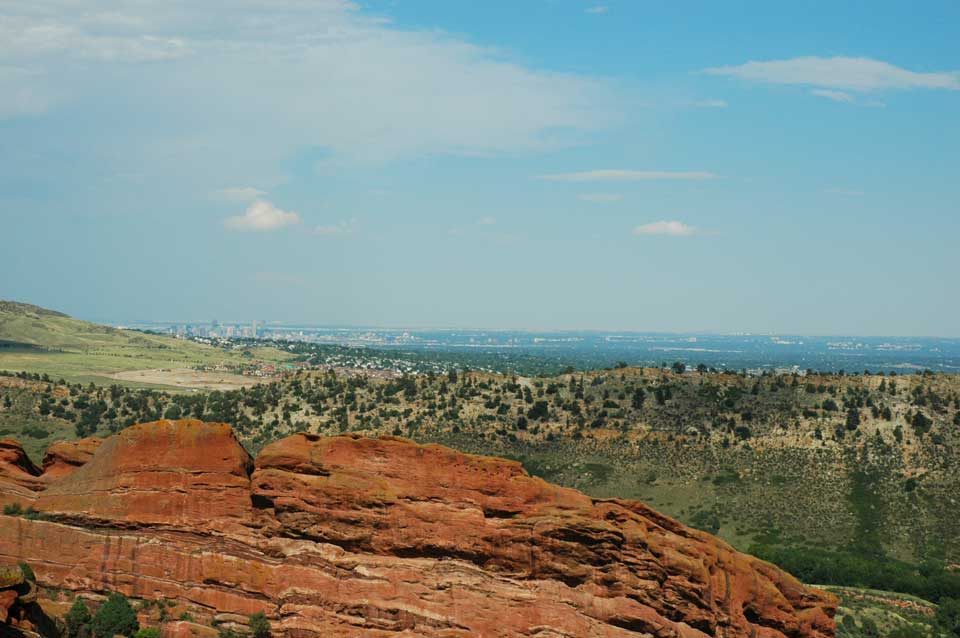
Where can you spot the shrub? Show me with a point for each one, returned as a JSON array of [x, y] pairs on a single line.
[[28, 572], [259, 625], [948, 615], [115, 616], [77, 621], [147, 632]]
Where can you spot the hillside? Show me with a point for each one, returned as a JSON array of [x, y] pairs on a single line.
[[44, 341], [28, 325], [846, 463]]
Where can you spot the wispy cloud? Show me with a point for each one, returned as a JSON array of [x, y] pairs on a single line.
[[344, 228], [387, 93], [262, 216], [487, 221], [238, 194], [711, 104], [845, 191], [622, 175], [603, 198], [836, 96], [841, 73], [674, 228], [597, 9]]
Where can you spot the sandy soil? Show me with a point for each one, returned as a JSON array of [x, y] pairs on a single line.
[[186, 378]]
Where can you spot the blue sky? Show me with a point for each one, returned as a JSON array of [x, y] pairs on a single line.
[[542, 164]]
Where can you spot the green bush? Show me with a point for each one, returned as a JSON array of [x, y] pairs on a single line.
[[28, 572], [825, 567], [948, 616], [115, 616], [77, 621], [147, 632], [908, 631], [259, 625]]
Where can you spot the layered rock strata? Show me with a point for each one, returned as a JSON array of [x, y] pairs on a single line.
[[348, 536]]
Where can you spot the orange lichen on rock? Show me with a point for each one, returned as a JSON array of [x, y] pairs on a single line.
[[345, 536]]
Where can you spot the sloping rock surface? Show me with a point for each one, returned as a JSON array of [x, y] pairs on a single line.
[[64, 457], [347, 536], [167, 472], [19, 477]]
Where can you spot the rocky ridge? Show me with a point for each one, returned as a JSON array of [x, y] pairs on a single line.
[[347, 536]]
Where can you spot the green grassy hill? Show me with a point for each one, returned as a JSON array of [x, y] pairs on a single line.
[[871, 613], [26, 325], [35, 339]]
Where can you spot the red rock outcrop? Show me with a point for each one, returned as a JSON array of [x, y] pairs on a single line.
[[19, 477], [19, 613], [64, 457], [347, 536], [169, 472]]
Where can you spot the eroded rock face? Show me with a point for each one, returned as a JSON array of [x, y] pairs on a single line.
[[347, 536], [19, 477], [64, 457], [167, 472], [19, 613]]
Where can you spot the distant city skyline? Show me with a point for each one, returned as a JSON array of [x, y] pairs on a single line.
[[243, 329], [773, 169]]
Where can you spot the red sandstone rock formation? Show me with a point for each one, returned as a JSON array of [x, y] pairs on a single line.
[[169, 472], [63, 457], [19, 477], [347, 536]]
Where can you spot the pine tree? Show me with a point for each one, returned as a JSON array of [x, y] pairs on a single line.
[[78, 620], [114, 617], [259, 625]]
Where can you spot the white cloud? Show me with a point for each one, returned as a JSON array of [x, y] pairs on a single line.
[[605, 198], [487, 221], [239, 194], [262, 216], [836, 96], [843, 73], [50, 35], [711, 104], [597, 10], [361, 89], [674, 228], [344, 228], [620, 175]]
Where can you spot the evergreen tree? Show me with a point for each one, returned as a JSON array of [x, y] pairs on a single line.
[[114, 617], [78, 620], [259, 625], [853, 419], [948, 616]]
